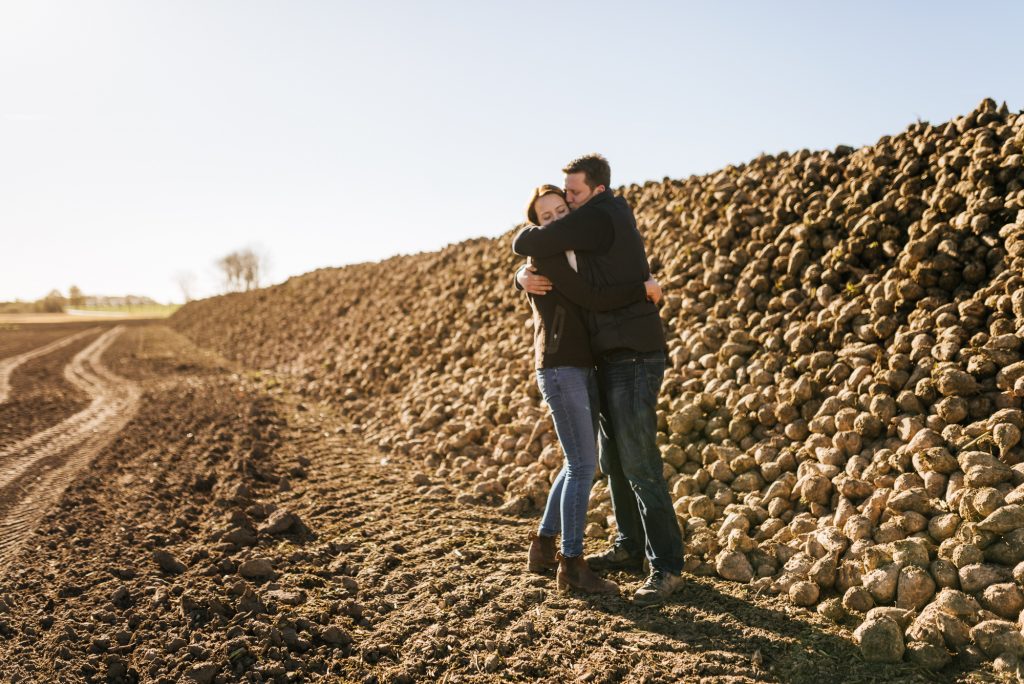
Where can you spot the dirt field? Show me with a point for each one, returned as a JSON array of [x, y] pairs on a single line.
[[85, 317], [172, 518]]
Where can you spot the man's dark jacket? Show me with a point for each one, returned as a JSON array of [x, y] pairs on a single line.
[[609, 251]]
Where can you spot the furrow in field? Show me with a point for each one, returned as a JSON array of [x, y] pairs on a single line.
[[35, 471]]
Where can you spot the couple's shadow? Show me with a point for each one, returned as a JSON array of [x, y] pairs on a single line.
[[747, 631]]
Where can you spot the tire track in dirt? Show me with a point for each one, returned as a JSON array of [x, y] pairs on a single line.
[[9, 365], [35, 471]]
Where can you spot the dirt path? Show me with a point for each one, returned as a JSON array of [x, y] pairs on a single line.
[[10, 364], [35, 470]]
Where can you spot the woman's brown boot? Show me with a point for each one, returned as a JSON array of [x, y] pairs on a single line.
[[574, 573], [542, 554]]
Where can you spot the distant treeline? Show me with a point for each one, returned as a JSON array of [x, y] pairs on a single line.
[[51, 303], [56, 302]]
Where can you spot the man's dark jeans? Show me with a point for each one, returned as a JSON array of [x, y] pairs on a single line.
[[629, 383]]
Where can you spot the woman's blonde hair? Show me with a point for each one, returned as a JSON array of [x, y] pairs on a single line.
[[540, 191]]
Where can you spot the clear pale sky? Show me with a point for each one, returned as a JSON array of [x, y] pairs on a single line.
[[139, 139]]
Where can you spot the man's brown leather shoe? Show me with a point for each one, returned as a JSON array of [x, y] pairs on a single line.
[[658, 587]]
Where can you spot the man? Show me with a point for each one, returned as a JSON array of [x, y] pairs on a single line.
[[630, 346]]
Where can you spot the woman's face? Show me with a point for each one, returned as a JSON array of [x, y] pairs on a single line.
[[549, 208]]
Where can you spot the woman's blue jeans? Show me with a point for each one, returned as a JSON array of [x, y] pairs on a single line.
[[571, 394]]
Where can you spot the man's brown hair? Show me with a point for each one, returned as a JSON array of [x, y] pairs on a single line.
[[538, 192], [595, 168]]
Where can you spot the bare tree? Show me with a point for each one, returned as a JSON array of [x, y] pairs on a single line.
[[186, 281], [229, 266], [242, 270], [249, 265]]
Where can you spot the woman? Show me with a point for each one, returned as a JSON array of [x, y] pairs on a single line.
[[565, 373]]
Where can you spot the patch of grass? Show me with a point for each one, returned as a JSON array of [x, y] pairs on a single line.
[[153, 310]]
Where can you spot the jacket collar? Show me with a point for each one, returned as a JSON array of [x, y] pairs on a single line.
[[602, 196]]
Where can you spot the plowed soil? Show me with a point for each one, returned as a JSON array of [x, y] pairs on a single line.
[[213, 528], [34, 392], [19, 338]]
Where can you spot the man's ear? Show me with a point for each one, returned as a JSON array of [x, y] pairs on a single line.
[[599, 189]]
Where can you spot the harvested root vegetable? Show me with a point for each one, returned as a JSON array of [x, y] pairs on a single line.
[[842, 400]]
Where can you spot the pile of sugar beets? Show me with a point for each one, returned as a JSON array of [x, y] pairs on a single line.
[[841, 418]]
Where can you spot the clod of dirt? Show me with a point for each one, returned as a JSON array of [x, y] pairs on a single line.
[[256, 568], [286, 597], [202, 673], [350, 585], [336, 636], [121, 596], [281, 521], [832, 609], [927, 655], [241, 536], [168, 562], [117, 668]]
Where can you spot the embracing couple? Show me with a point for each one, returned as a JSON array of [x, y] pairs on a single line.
[[600, 356]]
